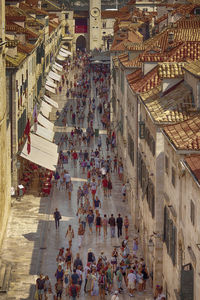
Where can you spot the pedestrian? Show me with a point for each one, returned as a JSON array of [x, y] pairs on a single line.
[[67, 178], [68, 258], [98, 224], [66, 281], [90, 220], [94, 286], [119, 278], [57, 218], [105, 225], [114, 259], [126, 225], [115, 296], [102, 284], [135, 246], [78, 261], [93, 188], [96, 203], [159, 293], [69, 235], [40, 285], [59, 273], [112, 224], [119, 225], [123, 191], [80, 235], [47, 286], [131, 283], [70, 189], [109, 186], [59, 288], [73, 291]]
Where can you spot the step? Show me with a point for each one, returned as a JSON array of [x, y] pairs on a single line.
[[5, 274]]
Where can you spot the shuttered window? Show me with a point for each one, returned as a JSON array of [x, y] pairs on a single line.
[[131, 148], [170, 235]]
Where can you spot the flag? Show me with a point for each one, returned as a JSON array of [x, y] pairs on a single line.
[[27, 133]]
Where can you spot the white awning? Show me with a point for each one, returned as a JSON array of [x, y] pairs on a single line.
[[59, 57], [45, 109], [65, 47], [51, 101], [43, 152], [56, 68], [63, 54], [66, 51], [44, 122], [48, 88], [58, 65], [54, 76], [51, 84], [44, 132]]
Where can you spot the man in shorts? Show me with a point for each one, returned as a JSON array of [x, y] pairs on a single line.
[[131, 283], [40, 286]]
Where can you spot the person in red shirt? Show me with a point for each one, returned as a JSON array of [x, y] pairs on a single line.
[[75, 157], [105, 186]]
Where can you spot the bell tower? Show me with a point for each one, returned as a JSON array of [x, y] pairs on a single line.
[[95, 24]]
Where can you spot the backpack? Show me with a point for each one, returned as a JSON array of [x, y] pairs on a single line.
[[73, 291]]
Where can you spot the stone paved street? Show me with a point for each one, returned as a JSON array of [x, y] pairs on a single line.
[[31, 242]]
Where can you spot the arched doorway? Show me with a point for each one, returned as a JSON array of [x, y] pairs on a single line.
[[81, 43]]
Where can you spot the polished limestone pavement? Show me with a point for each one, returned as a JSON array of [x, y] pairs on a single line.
[[31, 242]]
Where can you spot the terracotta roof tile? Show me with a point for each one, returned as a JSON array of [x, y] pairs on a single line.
[[193, 67], [161, 19], [193, 162], [171, 70], [147, 82], [185, 135], [170, 107]]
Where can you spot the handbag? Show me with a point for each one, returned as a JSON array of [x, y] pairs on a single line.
[[59, 218]]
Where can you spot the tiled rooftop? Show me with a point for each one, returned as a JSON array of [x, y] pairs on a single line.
[[12, 62], [171, 107], [171, 70], [193, 162], [193, 67], [185, 135]]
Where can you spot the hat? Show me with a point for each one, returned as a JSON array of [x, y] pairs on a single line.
[[116, 292], [90, 250]]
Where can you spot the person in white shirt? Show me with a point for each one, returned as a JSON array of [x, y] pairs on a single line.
[[131, 282], [115, 296], [67, 178], [123, 191]]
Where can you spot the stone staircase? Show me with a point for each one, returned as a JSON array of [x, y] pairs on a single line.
[[5, 276]]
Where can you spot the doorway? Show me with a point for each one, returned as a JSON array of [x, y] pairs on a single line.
[[81, 43]]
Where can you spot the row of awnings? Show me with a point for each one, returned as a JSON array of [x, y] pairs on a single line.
[[43, 151]]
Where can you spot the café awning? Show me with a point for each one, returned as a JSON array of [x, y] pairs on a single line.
[[63, 54], [43, 152], [58, 65], [44, 122], [51, 84], [59, 57], [65, 47], [50, 89], [44, 133], [54, 69], [51, 101], [54, 76]]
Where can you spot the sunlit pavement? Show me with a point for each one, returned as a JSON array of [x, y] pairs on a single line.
[[32, 242]]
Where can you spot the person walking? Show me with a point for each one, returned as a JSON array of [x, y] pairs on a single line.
[[69, 235], [57, 217], [123, 191], [80, 235], [119, 225], [73, 291], [40, 283], [126, 225], [90, 220], [112, 224]]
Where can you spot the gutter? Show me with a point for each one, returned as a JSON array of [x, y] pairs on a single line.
[[191, 173]]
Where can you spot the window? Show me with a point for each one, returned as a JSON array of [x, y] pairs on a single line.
[[141, 130], [104, 24], [151, 197], [173, 177], [66, 16], [131, 148], [170, 235], [166, 164], [66, 29], [192, 212]]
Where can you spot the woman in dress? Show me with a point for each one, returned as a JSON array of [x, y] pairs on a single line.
[[70, 235], [94, 286], [80, 235]]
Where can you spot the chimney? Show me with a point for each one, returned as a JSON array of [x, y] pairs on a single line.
[[170, 37]]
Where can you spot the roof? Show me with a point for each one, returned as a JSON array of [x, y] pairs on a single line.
[[171, 70], [13, 62], [193, 67], [31, 9], [193, 163], [185, 135], [147, 82], [170, 107]]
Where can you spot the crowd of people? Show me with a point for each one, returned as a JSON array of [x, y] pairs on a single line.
[[122, 272]]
